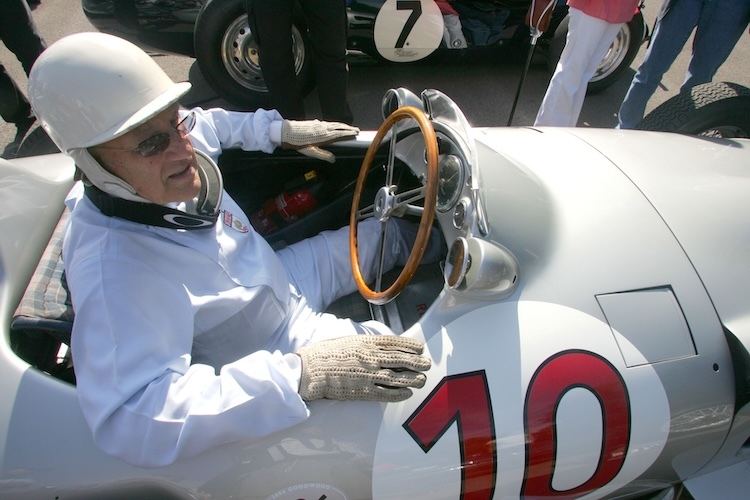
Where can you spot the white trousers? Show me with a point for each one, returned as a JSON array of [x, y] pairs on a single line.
[[587, 43]]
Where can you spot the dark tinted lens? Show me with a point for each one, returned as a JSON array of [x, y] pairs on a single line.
[[154, 145], [187, 123]]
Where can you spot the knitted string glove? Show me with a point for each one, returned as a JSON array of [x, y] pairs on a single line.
[[365, 367], [307, 135]]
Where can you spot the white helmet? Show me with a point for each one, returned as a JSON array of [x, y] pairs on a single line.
[[89, 88]]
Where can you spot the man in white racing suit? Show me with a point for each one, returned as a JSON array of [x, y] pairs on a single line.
[[190, 331]]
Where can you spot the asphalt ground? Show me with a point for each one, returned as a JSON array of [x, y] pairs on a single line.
[[485, 89]]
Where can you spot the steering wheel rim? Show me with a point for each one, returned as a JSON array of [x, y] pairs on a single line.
[[428, 214]]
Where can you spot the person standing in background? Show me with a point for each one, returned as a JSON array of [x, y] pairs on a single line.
[[593, 26], [271, 23], [453, 34], [718, 25], [20, 35]]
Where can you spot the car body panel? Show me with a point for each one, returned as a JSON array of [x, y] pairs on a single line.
[[161, 25], [512, 333], [585, 355], [709, 245]]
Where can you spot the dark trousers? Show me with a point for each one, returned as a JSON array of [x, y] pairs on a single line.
[[271, 21], [20, 34]]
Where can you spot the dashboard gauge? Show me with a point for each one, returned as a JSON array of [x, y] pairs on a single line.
[[450, 181], [459, 214]]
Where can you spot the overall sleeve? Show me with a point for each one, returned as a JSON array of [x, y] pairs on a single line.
[[143, 399], [217, 129]]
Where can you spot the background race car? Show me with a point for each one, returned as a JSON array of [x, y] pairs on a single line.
[[217, 34]]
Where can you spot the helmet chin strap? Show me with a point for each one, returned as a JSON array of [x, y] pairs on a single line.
[[201, 213]]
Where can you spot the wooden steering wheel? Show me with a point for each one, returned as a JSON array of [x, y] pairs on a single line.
[[388, 201]]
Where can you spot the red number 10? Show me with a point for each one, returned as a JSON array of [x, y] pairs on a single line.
[[465, 400]]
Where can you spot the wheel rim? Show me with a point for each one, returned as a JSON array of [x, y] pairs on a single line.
[[615, 55], [239, 53]]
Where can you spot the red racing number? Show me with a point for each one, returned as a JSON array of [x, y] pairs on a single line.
[[465, 400], [553, 379]]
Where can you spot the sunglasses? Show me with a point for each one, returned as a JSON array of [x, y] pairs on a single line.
[[159, 143]]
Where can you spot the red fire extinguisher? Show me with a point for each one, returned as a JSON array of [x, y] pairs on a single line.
[[287, 207]]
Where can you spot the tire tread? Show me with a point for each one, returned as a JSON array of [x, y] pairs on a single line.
[[701, 108]]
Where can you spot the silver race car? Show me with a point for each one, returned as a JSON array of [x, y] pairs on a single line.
[[589, 326]]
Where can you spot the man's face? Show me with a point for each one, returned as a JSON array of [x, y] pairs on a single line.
[[168, 176]]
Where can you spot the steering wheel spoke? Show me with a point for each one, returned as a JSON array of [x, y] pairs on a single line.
[[408, 197], [390, 203], [366, 213]]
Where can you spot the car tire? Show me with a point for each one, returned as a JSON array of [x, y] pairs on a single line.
[[36, 143], [618, 59], [227, 54], [715, 109]]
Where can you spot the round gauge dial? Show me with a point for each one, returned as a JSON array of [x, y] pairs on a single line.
[[451, 179], [459, 214]]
